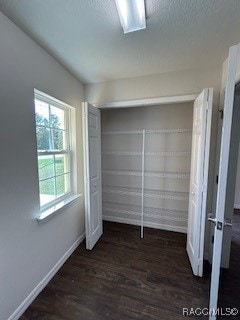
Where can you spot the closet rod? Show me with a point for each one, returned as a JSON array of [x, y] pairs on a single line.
[[143, 177]]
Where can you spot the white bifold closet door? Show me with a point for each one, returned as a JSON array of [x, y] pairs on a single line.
[[201, 133], [92, 174]]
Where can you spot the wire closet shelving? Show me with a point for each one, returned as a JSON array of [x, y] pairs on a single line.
[[141, 210]]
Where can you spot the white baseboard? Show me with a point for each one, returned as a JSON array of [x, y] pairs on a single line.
[[42, 284], [146, 224], [237, 206]]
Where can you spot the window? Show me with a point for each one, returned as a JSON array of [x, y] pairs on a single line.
[[54, 149]]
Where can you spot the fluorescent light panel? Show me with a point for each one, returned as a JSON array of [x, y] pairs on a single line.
[[131, 14]]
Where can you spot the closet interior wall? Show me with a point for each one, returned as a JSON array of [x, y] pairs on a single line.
[[159, 198]]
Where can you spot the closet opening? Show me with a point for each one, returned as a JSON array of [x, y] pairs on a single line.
[[146, 162]]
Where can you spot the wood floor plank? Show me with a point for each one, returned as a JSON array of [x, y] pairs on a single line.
[[123, 277]]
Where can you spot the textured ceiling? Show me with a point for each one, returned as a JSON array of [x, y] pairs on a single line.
[[87, 38]]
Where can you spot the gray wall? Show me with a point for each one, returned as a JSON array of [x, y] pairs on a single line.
[[28, 250], [159, 85]]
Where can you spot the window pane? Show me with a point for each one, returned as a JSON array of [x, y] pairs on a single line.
[[57, 118], [52, 133], [61, 164], [43, 138], [62, 184], [45, 167], [59, 139], [47, 191], [41, 113]]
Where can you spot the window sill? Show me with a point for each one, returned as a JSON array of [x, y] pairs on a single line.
[[57, 208]]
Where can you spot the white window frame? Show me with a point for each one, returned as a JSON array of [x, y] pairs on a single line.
[[56, 204]]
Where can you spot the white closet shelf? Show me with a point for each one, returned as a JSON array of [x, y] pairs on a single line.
[[162, 131], [160, 153], [136, 173], [122, 153], [158, 174], [172, 175], [170, 195], [121, 132], [169, 153], [137, 208], [158, 213], [168, 131], [157, 152]]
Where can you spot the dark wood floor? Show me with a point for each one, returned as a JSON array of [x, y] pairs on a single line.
[[123, 277]]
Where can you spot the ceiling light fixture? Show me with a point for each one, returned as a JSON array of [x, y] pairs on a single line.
[[131, 14]]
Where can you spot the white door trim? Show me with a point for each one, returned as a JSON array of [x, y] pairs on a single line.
[[148, 102], [222, 184]]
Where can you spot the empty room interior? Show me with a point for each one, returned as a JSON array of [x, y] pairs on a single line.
[[120, 161]]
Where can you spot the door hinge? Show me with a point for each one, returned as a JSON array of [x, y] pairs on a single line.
[[217, 179], [199, 262], [85, 112], [221, 111]]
